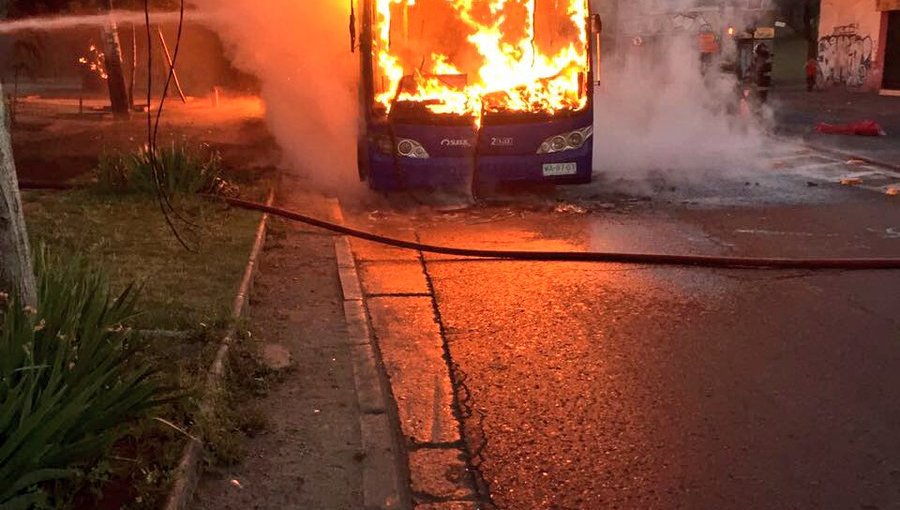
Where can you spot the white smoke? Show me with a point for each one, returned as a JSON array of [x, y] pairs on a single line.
[[656, 112], [300, 51]]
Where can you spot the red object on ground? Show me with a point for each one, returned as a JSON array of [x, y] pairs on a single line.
[[864, 128]]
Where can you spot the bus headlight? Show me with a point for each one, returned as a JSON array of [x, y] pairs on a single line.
[[411, 149], [567, 141]]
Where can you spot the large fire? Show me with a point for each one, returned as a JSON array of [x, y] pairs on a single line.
[[467, 57]]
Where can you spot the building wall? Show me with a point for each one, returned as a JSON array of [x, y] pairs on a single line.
[[789, 62], [850, 49], [649, 21]]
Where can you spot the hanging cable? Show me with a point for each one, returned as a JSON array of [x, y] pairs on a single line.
[[157, 169], [165, 94], [171, 72]]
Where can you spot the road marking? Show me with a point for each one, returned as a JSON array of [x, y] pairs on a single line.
[[833, 169], [781, 233], [815, 166], [805, 155], [888, 233]]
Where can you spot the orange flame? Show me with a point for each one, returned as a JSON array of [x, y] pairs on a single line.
[[491, 55], [95, 62]]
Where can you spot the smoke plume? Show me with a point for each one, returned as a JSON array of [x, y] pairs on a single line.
[[300, 51], [656, 112]]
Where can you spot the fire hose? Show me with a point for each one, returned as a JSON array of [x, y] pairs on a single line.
[[652, 259]]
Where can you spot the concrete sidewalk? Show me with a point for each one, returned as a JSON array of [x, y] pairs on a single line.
[[327, 440], [797, 112]]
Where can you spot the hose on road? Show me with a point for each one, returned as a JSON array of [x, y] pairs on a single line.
[[654, 259]]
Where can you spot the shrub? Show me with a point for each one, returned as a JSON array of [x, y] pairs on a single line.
[[112, 173], [69, 381], [179, 169]]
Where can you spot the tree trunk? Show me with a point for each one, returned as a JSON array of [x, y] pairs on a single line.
[[16, 272], [118, 89]]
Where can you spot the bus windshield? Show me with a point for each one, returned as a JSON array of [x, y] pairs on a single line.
[[467, 57]]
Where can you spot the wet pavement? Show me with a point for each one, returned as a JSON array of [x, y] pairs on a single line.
[[584, 386]]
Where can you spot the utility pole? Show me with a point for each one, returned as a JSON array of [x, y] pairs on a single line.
[[118, 89], [16, 271]]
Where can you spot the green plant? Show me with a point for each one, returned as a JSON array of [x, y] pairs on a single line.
[[112, 173], [175, 168], [69, 383], [178, 170]]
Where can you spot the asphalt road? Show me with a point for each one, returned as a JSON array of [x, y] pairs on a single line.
[[610, 386]]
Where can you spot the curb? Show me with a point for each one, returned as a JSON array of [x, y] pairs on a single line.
[[424, 415], [187, 474], [385, 484]]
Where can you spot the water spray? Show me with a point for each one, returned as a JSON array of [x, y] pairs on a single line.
[[56, 23]]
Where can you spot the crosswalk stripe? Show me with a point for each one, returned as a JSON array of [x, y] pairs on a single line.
[[832, 169]]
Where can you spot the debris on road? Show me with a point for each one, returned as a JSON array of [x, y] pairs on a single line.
[[570, 209], [276, 357], [851, 181]]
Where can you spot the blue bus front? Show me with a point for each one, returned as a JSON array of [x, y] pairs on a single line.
[[406, 144]]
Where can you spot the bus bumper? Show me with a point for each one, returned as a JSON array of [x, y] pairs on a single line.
[[570, 167]]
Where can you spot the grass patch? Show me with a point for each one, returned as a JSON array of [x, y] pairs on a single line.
[[128, 237], [235, 416]]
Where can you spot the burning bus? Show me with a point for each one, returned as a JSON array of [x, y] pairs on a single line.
[[476, 92]]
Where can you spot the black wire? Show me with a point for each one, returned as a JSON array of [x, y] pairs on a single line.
[[156, 168], [165, 95], [171, 74]]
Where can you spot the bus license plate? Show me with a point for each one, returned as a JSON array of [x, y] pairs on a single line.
[[555, 169]]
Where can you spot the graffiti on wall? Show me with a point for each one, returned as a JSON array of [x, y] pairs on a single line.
[[648, 18], [692, 23], [845, 57]]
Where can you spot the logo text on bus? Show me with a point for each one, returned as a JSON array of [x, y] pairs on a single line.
[[458, 142]]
